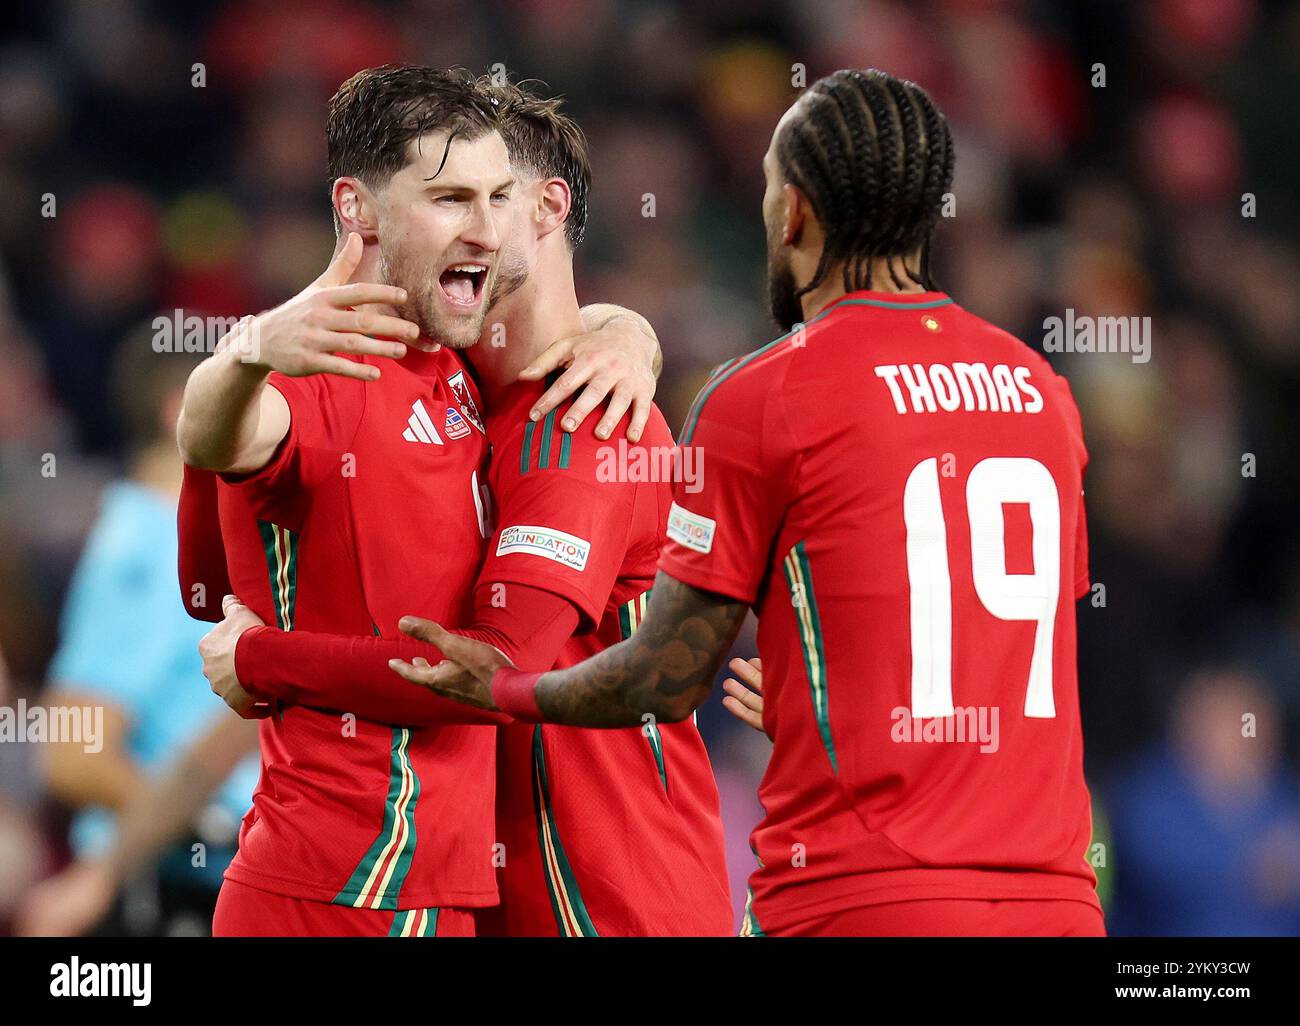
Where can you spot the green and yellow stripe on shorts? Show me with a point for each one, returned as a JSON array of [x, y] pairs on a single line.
[[749, 924], [571, 914], [377, 880], [803, 599], [415, 922]]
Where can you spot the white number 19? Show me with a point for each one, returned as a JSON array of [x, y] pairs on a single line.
[[1027, 597]]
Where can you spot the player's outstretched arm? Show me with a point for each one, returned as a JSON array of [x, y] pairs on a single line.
[[230, 420], [247, 662], [664, 671], [617, 357]]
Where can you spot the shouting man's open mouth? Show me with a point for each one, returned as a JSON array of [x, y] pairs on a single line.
[[462, 283]]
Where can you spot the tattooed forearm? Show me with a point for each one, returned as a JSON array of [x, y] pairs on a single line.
[[664, 670]]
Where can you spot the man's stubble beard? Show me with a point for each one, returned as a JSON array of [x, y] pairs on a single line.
[[509, 276], [421, 306], [512, 272]]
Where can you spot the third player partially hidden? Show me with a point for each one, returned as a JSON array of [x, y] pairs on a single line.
[[895, 487]]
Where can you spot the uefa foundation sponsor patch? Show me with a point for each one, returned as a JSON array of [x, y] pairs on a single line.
[[546, 542], [691, 529]]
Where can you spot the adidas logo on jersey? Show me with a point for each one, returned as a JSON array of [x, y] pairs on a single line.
[[420, 427]]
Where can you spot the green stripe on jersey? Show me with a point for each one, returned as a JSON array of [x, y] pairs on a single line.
[[526, 455], [888, 304], [693, 414], [798, 574], [548, 429], [651, 732], [280, 546]]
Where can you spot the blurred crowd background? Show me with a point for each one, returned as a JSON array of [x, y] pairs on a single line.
[[1114, 158]]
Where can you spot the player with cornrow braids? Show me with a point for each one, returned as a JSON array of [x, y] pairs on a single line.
[[885, 115], [914, 153], [938, 169], [839, 158], [876, 152], [861, 159], [927, 175]]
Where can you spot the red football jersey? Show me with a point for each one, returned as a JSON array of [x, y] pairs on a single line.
[[606, 832], [897, 489], [372, 507]]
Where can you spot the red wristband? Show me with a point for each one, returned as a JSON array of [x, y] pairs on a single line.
[[515, 693]]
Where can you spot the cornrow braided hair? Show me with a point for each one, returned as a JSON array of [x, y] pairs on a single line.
[[874, 156]]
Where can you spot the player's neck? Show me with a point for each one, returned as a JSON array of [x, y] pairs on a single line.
[[832, 286], [522, 325]]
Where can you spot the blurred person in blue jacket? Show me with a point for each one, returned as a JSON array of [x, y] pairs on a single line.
[[128, 646], [1207, 825]]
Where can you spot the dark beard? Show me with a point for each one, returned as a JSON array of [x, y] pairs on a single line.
[[782, 301]]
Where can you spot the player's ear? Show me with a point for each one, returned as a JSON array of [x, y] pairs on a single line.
[[355, 207], [797, 211], [553, 204]]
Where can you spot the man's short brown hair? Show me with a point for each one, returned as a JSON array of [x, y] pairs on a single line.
[[546, 142], [377, 112]]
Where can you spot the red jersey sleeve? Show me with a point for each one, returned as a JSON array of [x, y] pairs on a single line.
[[723, 518], [201, 552], [324, 413], [564, 515], [337, 671]]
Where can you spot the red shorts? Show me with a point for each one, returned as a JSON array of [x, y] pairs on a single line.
[[585, 858], [244, 911], [958, 917]]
